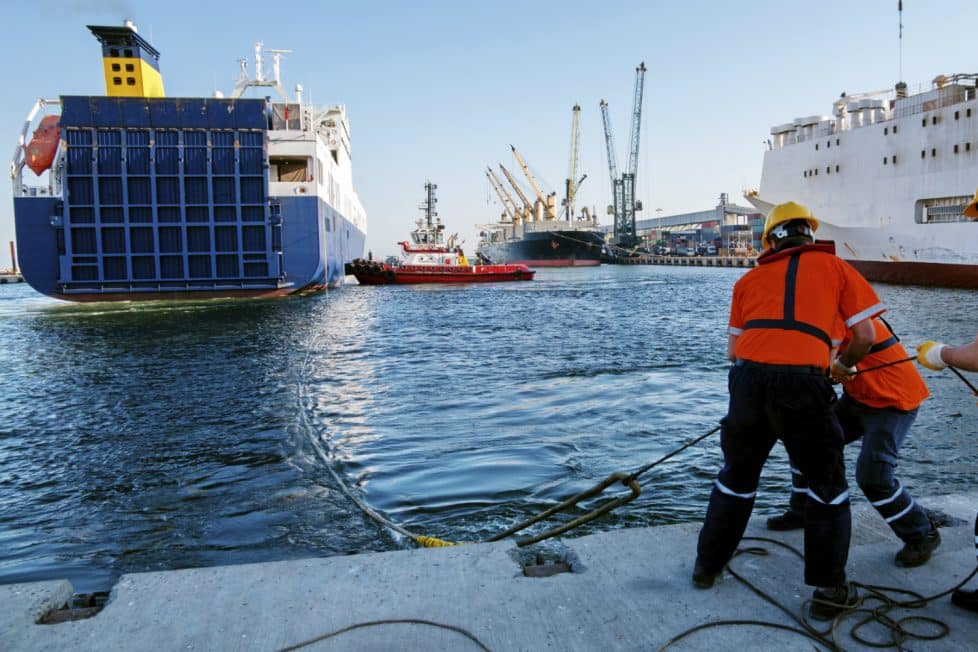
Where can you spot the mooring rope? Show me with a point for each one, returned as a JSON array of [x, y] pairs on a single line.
[[388, 621], [630, 481], [873, 614], [879, 615], [420, 539]]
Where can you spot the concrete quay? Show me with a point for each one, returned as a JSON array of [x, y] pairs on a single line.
[[628, 590], [688, 261]]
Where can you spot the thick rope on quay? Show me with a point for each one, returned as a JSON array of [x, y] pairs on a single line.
[[391, 621], [874, 604]]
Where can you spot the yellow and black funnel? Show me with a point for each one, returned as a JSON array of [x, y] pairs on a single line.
[[132, 65]]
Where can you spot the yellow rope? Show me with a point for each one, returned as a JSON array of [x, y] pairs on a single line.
[[432, 542]]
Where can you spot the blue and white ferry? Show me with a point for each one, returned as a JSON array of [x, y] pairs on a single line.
[[133, 195]]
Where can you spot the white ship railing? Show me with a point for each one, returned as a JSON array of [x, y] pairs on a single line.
[[943, 92]]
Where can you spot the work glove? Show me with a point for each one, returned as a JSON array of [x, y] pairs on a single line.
[[929, 355], [839, 373]]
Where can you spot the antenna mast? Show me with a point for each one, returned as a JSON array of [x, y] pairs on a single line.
[[900, 20]]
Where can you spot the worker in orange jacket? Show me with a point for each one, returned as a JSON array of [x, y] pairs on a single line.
[[878, 405], [779, 337]]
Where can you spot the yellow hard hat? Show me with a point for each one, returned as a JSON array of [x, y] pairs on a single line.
[[971, 210], [785, 213]]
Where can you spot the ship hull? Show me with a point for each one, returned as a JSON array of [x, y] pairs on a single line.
[[890, 186], [908, 256], [557, 248], [171, 199], [928, 274], [375, 274]]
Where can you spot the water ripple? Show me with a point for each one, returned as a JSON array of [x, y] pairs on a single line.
[[142, 437]]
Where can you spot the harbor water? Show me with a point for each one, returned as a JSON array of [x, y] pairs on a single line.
[[152, 436]]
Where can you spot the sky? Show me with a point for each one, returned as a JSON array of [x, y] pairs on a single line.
[[437, 91]]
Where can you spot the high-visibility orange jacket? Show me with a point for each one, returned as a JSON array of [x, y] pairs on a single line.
[[897, 386], [783, 310]]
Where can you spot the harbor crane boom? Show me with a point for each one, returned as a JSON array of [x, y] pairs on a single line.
[[547, 201], [615, 209], [625, 228], [519, 191], [574, 151], [624, 204], [508, 204], [636, 119], [609, 143]]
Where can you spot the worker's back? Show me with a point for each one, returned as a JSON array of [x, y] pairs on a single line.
[[784, 309]]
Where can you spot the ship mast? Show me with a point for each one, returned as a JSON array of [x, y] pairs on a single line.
[[429, 231], [429, 204], [900, 21]]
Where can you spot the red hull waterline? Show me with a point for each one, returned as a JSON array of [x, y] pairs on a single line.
[[475, 274], [927, 274]]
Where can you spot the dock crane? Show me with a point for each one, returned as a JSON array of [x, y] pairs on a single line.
[[549, 201], [508, 204], [571, 182], [616, 196], [527, 205], [623, 187]]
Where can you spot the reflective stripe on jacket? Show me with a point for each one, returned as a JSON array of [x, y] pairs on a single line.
[[783, 310]]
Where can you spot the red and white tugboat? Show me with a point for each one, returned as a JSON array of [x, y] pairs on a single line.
[[429, 259]]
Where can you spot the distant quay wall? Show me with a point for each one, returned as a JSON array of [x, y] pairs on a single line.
[[689, 261]]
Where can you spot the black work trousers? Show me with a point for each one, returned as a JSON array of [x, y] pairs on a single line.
[[765, 402]]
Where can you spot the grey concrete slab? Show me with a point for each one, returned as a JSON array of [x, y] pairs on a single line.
[[630, 590]]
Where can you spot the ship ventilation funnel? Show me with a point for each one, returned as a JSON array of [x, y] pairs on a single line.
[[130, 63]]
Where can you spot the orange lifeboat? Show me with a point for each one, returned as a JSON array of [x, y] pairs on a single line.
[[40, 151]]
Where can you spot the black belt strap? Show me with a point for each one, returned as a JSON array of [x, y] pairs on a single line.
[[804, 370], [885, 344]]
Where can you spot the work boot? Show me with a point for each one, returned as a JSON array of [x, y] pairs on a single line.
[[702, 578], [790, 520], [917, 553], [965, 599], [829, 603]]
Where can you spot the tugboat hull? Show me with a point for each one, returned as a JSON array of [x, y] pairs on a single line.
[[369, 273]]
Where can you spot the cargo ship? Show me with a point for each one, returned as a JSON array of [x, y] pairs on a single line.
[[133, 195], [542, 244], [531, 232], [890, 175]]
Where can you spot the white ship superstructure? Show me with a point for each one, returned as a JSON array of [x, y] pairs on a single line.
[[888, 174]]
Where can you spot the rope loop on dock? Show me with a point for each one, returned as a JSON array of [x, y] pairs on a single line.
[[874, 604]]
